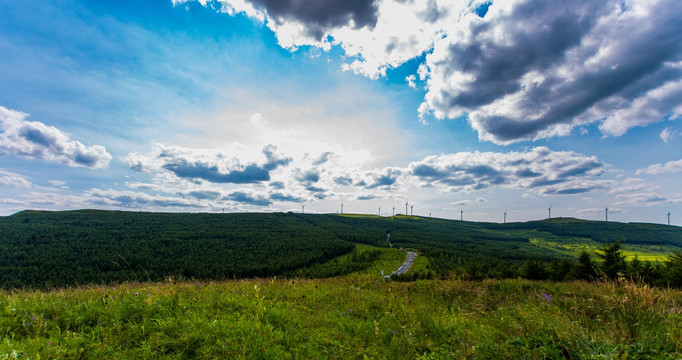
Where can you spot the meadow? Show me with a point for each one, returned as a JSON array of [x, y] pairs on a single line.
[[352, 317]]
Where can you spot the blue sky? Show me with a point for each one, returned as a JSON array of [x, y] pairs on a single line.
[[262, 105]]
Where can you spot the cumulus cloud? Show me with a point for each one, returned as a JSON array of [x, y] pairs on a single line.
[[540, 170], [536, 69], [515, 69], [34, 139], [671, 167], [134, 199], [207, 164]]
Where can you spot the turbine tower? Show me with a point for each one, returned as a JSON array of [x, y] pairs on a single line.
[[379, 210], [411, 210], [302, 209], [668, 219], [549, 212], [393, 210], [406, 203], [461, 215], [342, 208], [505, 216], [606, 213]]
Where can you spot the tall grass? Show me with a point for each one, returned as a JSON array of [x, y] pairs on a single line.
[[354, 317]]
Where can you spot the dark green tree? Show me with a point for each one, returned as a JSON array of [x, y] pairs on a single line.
[[613, 261], [673, 269], [636, 269], [560, 270], [534, 270], [586, 269]]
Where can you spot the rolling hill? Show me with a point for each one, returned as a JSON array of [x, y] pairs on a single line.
[[55, 249]]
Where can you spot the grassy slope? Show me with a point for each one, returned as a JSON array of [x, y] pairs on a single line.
[[353, 317]]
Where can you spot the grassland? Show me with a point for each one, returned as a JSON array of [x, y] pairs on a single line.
[[353, 317]]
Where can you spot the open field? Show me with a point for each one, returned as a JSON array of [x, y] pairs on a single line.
[[353, 317]]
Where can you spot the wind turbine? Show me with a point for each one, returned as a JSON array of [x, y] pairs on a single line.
[[379, 210], [668, 219], [505, 216], [606, 213], [411, 210], [406, 203], [302, 209], [342, 208], [393, 210], [549, 212], [461, 215]]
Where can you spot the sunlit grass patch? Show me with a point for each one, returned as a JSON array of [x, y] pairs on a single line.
[[355, 316]]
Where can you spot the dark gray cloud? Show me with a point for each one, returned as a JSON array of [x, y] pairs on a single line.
[[315, 189], [286, 197], [249, 174], [384, 178], [343, 181], [324, 157], [274, 160], [310, 176], [250, 199], [199, 165], [367, 197], [277, 185], [565, 64], [320, 16], [204, 194], [131, 199]]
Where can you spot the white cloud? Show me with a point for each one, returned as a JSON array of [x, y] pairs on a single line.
[[34, 139], [8, 178], [526, 69], [411, 81], [539, 170], [671, 167], [668, 135]]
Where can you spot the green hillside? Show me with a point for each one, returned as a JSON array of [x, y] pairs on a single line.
[[54, 249]]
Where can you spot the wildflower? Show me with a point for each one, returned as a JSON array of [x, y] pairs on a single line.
[[393, 331], [136, 294], [545, 297]]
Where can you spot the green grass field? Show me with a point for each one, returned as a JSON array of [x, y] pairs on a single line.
[[353, 317], [656, 253]]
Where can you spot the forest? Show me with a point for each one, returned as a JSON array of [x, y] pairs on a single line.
[[57, 249]]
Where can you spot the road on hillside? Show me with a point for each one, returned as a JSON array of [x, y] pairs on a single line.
[[406, 265]]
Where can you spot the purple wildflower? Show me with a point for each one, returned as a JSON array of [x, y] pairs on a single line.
[[136, 294], [393, 331], [545, 297]]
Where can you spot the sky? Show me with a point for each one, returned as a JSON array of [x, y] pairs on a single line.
[[463, 109]]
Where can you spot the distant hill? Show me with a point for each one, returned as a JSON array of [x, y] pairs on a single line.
[[41, 248]]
